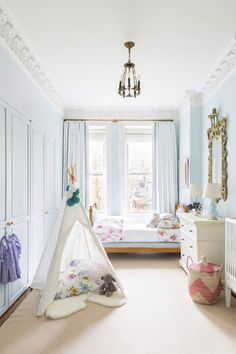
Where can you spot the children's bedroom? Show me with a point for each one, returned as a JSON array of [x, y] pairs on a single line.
[[117, 177]]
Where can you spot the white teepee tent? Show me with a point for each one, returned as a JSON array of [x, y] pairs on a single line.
[[72, 237]]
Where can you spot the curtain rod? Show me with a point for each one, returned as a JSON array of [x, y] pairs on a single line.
[[119, 120]]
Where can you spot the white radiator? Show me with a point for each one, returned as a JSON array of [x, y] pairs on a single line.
[[230, 259]]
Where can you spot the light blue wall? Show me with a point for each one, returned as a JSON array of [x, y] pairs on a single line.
[[190, 146], [184, 149], [195, 162], [224, 99]]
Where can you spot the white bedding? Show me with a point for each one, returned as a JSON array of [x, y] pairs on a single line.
[[108, 232], [139, 233]]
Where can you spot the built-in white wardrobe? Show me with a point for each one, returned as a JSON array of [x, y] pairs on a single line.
[[30, 192]]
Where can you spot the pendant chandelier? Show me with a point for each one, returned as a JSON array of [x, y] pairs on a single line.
[[129, 85]]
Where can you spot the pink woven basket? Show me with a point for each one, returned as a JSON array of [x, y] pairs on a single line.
[[204, 281]]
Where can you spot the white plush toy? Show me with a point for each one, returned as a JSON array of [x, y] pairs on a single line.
[[69, 195], [72, 188], [154, 221]]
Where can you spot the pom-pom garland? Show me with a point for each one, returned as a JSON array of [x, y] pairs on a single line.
[[72, 194]]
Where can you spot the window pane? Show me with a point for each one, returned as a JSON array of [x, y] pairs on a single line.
[[139, 193], [139, 163], [97, 145], [96, 157], [139, 156], [96, 191]]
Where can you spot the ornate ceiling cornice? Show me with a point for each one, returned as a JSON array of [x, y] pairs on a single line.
[[224, 66], [119, 113], [12, 38]]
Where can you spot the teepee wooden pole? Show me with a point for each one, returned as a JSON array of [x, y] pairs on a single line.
[[72, 173]]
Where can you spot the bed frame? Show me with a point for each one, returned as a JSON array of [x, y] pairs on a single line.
[[143, 248]]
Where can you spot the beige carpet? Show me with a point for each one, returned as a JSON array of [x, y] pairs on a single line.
[[159, 318]]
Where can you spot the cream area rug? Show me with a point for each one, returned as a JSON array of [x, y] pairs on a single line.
[[158, 318], [66, 307]]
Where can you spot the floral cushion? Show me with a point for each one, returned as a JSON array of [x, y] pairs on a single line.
[[90, 269], [81, 276], [166, 216], [73, 285], [169, 235], [109, 229], [169, 224]]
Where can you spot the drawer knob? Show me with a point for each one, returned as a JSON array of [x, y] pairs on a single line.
[[182, 239], [191, 246], [182, 225], [190, 230], [182, 255]]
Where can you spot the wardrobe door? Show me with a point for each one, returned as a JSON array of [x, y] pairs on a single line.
[[3, 171], [50, 186], [37, 199], [20, 197], [3, 194], [58, 176]]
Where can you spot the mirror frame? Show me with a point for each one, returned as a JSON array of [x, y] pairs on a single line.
[[218, 130]]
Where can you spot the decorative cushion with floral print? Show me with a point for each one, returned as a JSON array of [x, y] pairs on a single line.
[[169, 224], [82, 276], [169, 235]]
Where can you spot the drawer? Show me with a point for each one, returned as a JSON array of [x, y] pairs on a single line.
[[188, 248], [192, 249], [183, 256], [189, 229]]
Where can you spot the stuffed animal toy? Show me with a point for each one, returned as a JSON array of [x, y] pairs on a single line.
[[107, 288], [154, 221]]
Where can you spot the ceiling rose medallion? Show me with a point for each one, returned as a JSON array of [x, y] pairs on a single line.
[[129, 85]]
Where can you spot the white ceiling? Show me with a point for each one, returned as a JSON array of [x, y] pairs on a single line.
[[80, 46]]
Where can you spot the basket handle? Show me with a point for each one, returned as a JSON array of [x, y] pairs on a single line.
[[221, 268], [187, 262]]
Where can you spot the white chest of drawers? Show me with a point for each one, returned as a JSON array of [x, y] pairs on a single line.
[[200, 236]]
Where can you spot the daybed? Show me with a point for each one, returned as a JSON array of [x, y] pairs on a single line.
[[118, 236]]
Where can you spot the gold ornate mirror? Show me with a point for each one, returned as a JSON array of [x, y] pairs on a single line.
[[217, 153]]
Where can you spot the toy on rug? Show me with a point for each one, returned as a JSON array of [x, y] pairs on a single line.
[[107, 288]]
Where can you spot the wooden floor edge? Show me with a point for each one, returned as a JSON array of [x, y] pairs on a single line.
[[141, 250], [14, 306]]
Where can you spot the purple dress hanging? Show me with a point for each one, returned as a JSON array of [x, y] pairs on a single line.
[[10, 250]]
